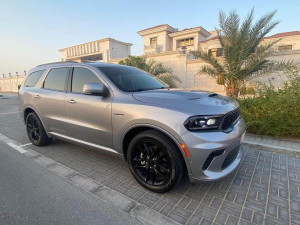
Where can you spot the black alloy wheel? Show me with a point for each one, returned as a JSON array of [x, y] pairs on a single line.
[[35, 130], [155, 161], [151, 162]]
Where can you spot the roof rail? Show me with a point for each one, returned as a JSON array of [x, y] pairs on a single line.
[[61, 62]]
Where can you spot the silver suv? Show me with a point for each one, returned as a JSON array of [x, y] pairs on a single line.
[[161, 132]]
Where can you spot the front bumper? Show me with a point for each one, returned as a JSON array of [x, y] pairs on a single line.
[[213, 154]]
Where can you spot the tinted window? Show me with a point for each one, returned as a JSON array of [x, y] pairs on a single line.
[[82, 76], [130, 78], [56, 79], [33, 78]]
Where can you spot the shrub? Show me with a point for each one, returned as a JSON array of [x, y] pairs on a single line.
[[272, 111]]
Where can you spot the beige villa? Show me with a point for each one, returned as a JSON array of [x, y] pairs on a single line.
[[170, 46]]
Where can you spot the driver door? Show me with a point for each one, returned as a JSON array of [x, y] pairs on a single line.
[[88, 116]]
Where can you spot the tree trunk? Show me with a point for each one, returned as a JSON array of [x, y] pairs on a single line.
[[232, 90]]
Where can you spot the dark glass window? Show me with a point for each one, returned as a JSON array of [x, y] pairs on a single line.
[[56, 79], [285, 47], [82, 76], [33, 78], [186, 42], [153, 41], [215, 52], [131, 79]]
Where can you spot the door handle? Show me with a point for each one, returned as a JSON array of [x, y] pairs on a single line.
[[72, 101], [37, 96]]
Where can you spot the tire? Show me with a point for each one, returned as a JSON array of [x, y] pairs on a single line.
[[155, 161], [35, 130]]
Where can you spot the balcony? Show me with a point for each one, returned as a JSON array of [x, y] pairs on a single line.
[[151, 49], [86, 49]]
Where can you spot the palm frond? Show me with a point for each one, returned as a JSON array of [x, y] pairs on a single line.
[[263, 26], [275, 66], [207, 69], [198, 54], [157, 68], [171, 80]]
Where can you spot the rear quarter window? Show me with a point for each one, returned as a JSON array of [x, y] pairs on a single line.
[[33, 78]]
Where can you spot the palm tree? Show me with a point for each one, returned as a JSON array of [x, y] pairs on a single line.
[[157, 69], [244, 54]]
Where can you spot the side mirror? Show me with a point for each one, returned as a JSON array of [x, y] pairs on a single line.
[[19, 86], [97, 89]]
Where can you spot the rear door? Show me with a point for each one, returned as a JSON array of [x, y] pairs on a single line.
[[88, 117], [49, 101]]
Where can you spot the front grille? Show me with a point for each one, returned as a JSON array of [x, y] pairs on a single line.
[[230, 158], [230, 118]]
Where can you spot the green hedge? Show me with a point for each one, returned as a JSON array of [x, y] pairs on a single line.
[[274, 112]]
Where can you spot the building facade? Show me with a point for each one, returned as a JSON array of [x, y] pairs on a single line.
[[171, 47], [104, 50]]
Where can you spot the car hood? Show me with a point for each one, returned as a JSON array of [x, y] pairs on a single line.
[[195, 102]]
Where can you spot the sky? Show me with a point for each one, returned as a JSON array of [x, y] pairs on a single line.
[[32, 31]]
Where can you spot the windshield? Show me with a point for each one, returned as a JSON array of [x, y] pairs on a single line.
[[131, 79]]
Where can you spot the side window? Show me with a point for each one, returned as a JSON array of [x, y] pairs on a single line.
[[56, 79], [33, 78], [82, 76]]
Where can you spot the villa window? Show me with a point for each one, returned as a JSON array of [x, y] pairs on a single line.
[[285, 47], [153, 41], [215, 52], [186, 42]]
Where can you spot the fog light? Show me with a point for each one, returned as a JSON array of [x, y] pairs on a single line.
[[211, 122]]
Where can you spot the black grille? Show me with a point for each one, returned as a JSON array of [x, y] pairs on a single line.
[[230, 158], [230, 118]]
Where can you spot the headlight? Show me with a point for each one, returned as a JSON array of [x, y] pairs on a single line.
[[195, 123]]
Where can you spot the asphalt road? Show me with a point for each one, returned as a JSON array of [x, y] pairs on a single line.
[[30, 194]]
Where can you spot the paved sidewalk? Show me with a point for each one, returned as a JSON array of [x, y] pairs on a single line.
[[264, 190]]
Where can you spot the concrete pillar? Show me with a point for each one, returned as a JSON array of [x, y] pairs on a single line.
[[9, 77], [17, 79], [182, 69]]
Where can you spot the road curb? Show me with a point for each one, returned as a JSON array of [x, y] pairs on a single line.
[[273, 145]]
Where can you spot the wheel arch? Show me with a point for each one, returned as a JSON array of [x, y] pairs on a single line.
[[134, 130], [26, 112], [29, 110]]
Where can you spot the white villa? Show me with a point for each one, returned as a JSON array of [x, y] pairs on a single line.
[[105, 49], [170, 46]]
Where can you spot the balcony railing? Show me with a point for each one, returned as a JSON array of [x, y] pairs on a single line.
[[83, 49], [152, 48]]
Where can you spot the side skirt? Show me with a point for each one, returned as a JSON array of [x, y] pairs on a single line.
[[78, 141]]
